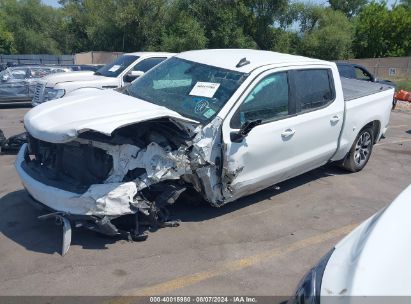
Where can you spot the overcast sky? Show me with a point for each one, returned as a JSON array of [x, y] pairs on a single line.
[[56, 4]]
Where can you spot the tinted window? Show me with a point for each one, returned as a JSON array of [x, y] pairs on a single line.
[[313, 88], [117, 66], [147, 64], [362, 74], [346, 71], [20, 73], [267, 101]]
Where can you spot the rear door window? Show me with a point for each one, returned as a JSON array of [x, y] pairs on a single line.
[[312, 89]]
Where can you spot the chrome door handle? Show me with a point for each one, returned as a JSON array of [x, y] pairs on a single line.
[[335, 119], [288, 133]]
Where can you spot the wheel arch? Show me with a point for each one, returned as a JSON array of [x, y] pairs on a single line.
[[375, 125]]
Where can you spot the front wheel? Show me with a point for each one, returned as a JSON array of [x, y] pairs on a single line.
[[360, 151]]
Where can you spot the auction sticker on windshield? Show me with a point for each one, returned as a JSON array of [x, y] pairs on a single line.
[[204, 89], [114, 68]]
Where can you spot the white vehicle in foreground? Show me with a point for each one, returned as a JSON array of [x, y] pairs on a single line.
[[370, 265], [225, 123], [119, 73]]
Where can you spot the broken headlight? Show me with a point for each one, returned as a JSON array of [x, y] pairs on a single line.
[[309, 288], [50, 94]]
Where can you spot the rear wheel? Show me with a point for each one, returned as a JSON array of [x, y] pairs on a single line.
[[360, 151]]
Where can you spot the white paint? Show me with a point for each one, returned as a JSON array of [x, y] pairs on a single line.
[[374, 259], [229, 58], [102, 111], [204, 89]]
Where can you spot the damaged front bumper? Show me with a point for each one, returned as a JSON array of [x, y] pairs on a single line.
[[100, 200], [97, 207]]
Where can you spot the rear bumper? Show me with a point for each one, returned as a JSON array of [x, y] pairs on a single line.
[[113, 199]]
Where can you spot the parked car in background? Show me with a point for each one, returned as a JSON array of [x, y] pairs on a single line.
[[17, 84], [120, 72], [3, 66], [85, 67], [373, 260], [356, 71], [224, 123]]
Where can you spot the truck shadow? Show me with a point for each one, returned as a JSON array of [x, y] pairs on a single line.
[[18, 218], [18, 222], [202, 211], [15, 105]]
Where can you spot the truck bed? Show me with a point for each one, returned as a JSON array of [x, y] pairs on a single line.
[[353, 88]]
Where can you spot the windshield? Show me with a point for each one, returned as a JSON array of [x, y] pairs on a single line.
[[194, 90], [117, 66]]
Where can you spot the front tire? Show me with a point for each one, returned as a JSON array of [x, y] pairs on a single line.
[[360, 151]]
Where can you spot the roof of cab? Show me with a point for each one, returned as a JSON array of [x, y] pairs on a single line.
[[151, 54], [229, 58]]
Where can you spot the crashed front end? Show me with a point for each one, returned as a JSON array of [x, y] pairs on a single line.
[[94, 180]]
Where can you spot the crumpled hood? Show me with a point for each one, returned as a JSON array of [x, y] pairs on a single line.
[[52, 79], [374, 259], [61, 120]]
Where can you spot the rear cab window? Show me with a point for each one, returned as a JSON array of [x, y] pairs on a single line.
[[346, 71]]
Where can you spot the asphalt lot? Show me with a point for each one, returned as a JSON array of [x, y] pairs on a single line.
[[260, 245]]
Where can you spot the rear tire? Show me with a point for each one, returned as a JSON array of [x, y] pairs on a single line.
[[360, 152]]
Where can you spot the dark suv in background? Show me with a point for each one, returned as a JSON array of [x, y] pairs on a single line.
[[356, 71]]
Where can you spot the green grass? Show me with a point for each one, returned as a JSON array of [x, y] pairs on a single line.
[[404, 84]]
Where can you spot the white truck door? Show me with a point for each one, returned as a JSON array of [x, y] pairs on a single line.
[[283, 138]]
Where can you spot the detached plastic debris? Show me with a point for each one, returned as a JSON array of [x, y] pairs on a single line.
[[13, 143]]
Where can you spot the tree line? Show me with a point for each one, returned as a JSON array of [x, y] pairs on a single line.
[[339, 30]]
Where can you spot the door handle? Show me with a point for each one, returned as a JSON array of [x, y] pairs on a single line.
[[335, 119], [288, 133]]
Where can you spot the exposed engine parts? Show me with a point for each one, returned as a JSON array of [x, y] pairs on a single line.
[[136, 173]]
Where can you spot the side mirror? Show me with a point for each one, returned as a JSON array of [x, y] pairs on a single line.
[[133, 75], [245, 129]]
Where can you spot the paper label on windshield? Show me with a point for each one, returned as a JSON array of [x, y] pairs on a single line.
[[204, 89], [114, 68]]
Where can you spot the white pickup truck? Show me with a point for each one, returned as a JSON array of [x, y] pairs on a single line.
[[223, 123], [119, 73]]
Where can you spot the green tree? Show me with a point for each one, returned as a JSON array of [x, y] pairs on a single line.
[[406, 3], [183, 33], [118, 25], [381, 32], [7, 45], [324, 32], [34, 26], [221, 20], [349, 7], [262, 15]]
